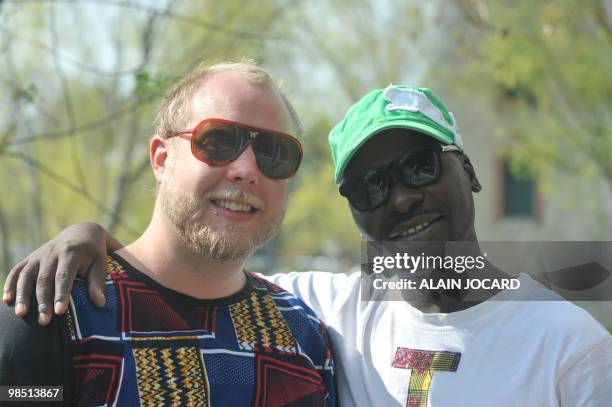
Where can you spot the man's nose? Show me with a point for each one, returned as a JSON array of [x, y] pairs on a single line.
[[244, 169], [404, 199]]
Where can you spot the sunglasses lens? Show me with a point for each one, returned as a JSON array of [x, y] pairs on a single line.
[[418, 168], [369, 191], [372, 189], [218, 143], [277, 156]]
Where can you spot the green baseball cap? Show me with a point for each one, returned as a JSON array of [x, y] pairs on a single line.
[[396, 106]]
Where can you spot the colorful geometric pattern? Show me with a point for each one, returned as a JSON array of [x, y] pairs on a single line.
[[156, 313], [152, 346], [259, 324], [286, 380], [98, 367], [423, 364], [113, 266], [159, 371]]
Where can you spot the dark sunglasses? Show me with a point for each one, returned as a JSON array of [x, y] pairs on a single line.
[[414, 169], [218, 142]]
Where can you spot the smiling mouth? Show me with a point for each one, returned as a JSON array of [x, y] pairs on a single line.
[[413, 230], [233, 205]]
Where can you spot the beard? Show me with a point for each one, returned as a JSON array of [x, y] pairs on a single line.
[[227, 242]]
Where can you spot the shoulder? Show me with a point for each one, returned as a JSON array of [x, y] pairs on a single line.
[[558, 314], [31, 354], [283, 299], [291, 312], [330, 295], [561, 324], [23, 333], [320, 280], [295, 323]]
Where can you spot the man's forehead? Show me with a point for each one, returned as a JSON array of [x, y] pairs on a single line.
[[228, 96]]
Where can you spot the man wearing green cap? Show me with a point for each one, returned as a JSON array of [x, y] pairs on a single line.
[[400, 163]]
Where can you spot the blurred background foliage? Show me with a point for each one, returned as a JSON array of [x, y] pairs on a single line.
[[81, 81], [546, 66]]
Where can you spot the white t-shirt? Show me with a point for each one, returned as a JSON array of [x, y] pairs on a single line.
[[516, 352]]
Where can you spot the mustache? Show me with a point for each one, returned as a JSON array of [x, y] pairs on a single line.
[[236, 195]]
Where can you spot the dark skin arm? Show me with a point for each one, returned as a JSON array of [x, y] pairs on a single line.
[[78, 250]]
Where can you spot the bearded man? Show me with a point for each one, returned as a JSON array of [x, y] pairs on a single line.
[[183, 323]]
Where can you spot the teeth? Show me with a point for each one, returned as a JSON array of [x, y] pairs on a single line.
[[413, 230], [234, 206]]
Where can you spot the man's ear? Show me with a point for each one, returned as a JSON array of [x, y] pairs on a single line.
[[158, 155], [467, 166]]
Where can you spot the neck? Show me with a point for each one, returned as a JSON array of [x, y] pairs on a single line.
[[159, 254]]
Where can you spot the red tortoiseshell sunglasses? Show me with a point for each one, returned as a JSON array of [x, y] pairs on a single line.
[[218, 142]]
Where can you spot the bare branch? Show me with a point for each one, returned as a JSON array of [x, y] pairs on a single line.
[[218, 28], [76, 162], [331, 56], [90, 126], [167, 13], [7, 259], [139, 169], [66, 58], [474, 12], [34, 228], [601, 16], [66, 183], [123, 179]]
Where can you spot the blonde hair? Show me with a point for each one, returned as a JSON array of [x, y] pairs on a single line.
[[175, 108]]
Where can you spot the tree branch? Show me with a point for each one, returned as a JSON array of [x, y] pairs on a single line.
[[123, 179], [74, 153], [93, 125], [66, 183], [219, 28], [601, 16], [7, 259]]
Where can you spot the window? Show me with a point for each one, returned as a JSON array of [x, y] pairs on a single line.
[[518, 193]]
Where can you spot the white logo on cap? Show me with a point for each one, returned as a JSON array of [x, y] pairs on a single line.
[[414, 101]]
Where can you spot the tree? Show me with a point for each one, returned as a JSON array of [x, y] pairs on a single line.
[[82, 81], [335, 52], [545, 66]]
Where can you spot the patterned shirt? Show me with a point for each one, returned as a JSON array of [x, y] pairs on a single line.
[[152, 346]]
